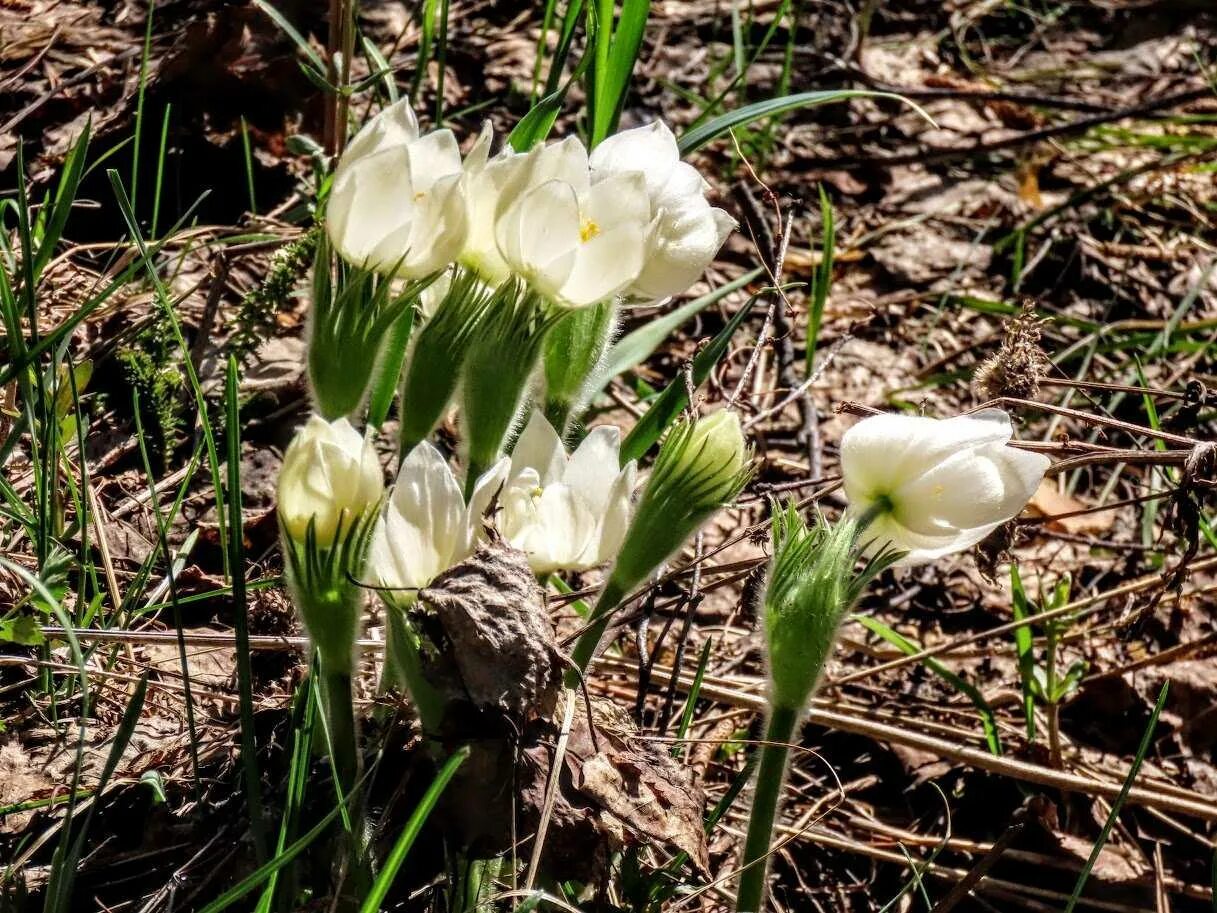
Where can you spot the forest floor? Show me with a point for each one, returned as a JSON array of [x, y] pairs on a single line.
[[1061, 197]]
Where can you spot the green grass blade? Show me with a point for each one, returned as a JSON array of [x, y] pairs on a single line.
[[248, 152], [405, 840], [909, 647], [259, 876], [686, 718], [1023, 642], [822, 279], [67, 855], [240, 612], [290, 31], [139, 102], [694, 139], [1118, 804], [617, 49], [65, 196], [304, 715], [162, 149], [675, 397], [636, 347]]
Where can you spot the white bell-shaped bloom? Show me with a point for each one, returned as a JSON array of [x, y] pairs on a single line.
[[397, 201], [575, 242], [330, 476], [426, 527], [685, 232], [936, 486], [487, 179], [565, 512]]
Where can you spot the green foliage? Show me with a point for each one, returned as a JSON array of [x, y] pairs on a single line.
[[911, 648], [812, 584], [675, 397], [616, 40], [636, 347], [1043, 683], [821, 280], [149, 367], [256, 313], [694, 139]]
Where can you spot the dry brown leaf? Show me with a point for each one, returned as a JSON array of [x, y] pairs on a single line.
[[1111, 866], [500, 647], [1049, 501]]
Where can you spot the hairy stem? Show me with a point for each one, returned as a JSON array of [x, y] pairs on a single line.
[[771, 774]]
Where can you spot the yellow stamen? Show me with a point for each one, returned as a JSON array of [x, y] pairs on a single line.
[[588, 230]]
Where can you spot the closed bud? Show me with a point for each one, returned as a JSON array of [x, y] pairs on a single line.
[[329, 480], [701, 467]]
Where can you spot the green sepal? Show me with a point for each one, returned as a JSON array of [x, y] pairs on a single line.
[[814, 580], [503, 357], [439, 353], [324, 584], [574, 349], [352, 313]]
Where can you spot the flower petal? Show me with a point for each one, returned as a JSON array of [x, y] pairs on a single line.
[[540, 448]]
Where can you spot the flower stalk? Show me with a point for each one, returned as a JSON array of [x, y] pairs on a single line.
[[498, 372], [812, 584]]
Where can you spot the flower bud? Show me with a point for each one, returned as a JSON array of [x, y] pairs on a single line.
[[932, 487], [701, 466], [329, 480]]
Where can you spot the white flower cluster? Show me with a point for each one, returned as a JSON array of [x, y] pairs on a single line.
[[628, 221], [565, 512]]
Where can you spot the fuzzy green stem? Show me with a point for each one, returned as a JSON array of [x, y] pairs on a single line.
[[337, 703], [771, 774], [597, 624]]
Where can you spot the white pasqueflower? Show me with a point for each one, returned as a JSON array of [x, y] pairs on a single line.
[[685, 232], [486, 180], [330, 476], [573, 241], [397, 201], [426, 527], [565, 512], [936, 486]]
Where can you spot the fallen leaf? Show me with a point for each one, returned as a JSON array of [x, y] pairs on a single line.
[[495, 645], [1049, 501]]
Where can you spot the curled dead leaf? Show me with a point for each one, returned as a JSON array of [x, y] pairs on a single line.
[[492, 643]]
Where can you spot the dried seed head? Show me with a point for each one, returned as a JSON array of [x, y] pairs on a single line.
[[1016, 367]]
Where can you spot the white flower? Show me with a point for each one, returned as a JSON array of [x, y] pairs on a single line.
[[936, 486], [397, 200], [685, 232], [486, 181], [566, 512], [575, 242], [330, 475], [425, 528]]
